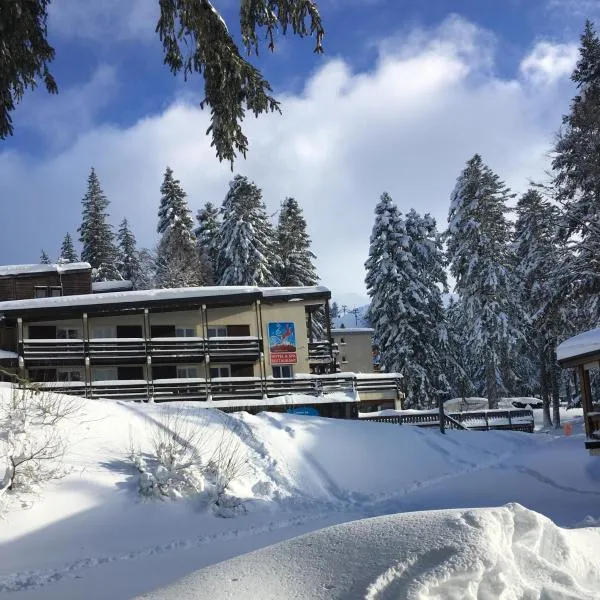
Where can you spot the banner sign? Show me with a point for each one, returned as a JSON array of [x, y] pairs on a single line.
[[282, 343]]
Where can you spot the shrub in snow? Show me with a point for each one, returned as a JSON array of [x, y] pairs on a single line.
[[187, 457], [32, 445]]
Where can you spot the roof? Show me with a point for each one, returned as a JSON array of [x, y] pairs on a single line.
[[351, 330], [16, 270], [123, 285], [161, 299], [584, 346]]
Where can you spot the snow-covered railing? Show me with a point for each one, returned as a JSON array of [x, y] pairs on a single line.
[[188, 347], [321, 352], [514, 420], [234, 347], [51, 349], [114, 349]]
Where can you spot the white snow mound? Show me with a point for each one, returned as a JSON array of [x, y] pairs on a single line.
[[493, 553]]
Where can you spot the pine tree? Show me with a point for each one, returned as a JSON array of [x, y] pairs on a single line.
[[44, 258], [335, 310], [96, 234], [577, 179], [293, 247], [480, 260], [207, 234], [247, 246], [178, 262], [129, 262], [67, 250]]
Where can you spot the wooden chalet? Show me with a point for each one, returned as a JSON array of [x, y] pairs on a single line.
[[231, 347], [582, 353]]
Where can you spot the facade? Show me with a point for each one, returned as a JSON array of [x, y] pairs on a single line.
[[215, 344], [355, 349]]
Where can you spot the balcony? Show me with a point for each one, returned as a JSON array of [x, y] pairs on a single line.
[[190, 349], [112, 350], [321, 352], [52, 351], [245, 348]]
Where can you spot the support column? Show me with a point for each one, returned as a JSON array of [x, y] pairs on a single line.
[[586, 397], [332, 364], [262, 367], [20, 350], [206, 353], [87, 377], [148, 352]]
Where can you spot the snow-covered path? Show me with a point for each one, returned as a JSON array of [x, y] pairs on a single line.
[[89, 536]]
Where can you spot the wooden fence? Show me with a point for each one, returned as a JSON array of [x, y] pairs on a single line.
[[481, 420]]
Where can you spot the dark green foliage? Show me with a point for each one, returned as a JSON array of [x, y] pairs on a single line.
[[44, 258], [67, 250], [129, 263], [207, 235], [24, 54]]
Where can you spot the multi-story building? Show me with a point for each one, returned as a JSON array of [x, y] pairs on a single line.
[[235, 346]]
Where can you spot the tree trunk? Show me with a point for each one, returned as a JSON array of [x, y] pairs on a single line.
[[554, 381], [544, 387], [492, 384]]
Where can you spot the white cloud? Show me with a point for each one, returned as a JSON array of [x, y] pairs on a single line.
[[104, 20], [406, 127], [547, 62]]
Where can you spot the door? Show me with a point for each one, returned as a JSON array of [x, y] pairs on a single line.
[[129, 331], [128, 373], [162, 331], [42, 332], [238, 330]]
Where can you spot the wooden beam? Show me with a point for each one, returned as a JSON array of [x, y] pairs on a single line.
[[586, 396]]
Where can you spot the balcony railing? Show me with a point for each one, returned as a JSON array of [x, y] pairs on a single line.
[[114, 350], [234, 348], [321, 352], [51, 350], [111, 350]]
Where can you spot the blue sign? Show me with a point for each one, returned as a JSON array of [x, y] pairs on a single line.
[[304, 410]]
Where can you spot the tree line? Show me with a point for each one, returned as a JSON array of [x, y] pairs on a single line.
[[525, 278], [234, 244]]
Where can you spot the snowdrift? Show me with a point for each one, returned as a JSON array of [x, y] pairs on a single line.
[[508, 553]]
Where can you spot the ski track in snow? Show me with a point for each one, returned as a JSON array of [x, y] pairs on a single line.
[[345, 502]]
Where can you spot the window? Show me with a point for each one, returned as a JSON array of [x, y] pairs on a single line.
[[185, 332], [217, 332], [342, 341], [221, 371], [103, 331], [104, 373], [344, 359], [187, 372], [283, 371], [40, 291], [67, 333], [130, 373], [68, 375], [55, 291]]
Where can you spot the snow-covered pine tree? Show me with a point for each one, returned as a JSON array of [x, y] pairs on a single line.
[[335, 310], [479, 255], [247, 244], [44, 258], [207, 234], [577, 180], [129, 261], [293, 247], [178, 262], [96, 234], [67, 250]]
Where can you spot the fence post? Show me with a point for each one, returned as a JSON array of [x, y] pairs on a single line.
[[487, 423], [442, 416], [509, 420]]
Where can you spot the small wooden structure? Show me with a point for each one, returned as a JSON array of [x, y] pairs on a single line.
[[582, 353]]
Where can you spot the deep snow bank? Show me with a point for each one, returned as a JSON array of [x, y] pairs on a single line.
[[508, 553]]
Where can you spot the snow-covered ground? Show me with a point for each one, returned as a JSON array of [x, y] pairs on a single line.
[[89, 535]]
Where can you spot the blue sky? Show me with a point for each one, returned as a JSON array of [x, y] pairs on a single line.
[[407, 91]]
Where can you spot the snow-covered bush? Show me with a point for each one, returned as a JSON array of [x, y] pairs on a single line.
[[32, 445], [189, 455]]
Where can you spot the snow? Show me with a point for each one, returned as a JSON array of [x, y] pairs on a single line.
[[111, 286], [579, 345], [351, 330], [4, 354], [90, 536], [452, 554], [138, 296], [7, 270]]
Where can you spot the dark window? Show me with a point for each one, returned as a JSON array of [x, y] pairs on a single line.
[[164, 372], [242, 371], [238, 330], [130, 373], [162, 330], [42, 374], [283, 371], [42, 332], [40, 291], [55, 291], [129, 331]]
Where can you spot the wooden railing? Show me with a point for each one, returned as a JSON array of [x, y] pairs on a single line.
[[233, 348], [115, 350], [485, 420], [53, 350], [174, 347], [321, 352]]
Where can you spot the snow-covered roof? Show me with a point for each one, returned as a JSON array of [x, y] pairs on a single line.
[[300, 291], [140, 297], [585, 343], [123, 285], [344, 330], [6, 270]]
